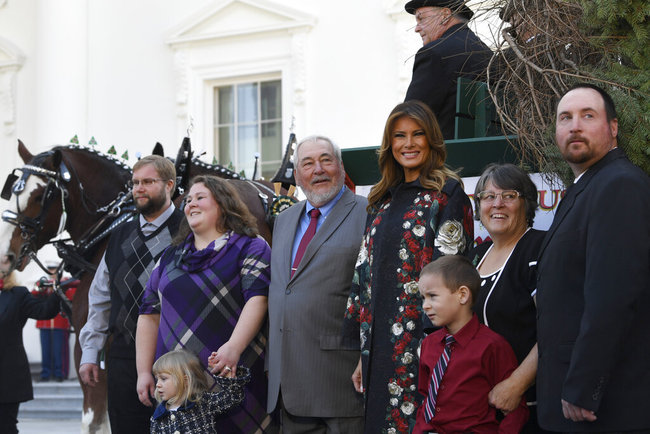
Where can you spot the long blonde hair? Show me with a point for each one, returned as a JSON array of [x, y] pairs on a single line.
[[186, 372], [434, 173]]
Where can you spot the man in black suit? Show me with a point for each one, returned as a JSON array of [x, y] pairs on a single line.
[[593, 288], [450, 50]]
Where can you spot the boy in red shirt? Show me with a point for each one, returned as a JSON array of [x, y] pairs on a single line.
[[461, 362]]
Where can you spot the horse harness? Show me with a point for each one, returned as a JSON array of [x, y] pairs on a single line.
[[183, 163], [30, 226], [73, 255]]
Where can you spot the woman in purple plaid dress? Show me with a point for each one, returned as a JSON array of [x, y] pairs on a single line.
[[208, 295]]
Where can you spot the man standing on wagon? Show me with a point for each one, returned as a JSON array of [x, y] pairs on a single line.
[[116, 292], [449, 50]]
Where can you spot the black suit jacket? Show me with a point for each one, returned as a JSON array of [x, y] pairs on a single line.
[[16, 305], [593, 301], [437, 66]]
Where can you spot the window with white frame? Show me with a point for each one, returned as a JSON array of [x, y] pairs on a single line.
[[248, 120]]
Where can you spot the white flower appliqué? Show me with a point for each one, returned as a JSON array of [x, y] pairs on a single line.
[[407, 408], [411, 287], [394, 388], [450, 239]]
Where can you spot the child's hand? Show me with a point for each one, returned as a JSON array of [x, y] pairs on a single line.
[[212, 360]]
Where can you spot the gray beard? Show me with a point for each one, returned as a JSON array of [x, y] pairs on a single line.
[[325, 197]]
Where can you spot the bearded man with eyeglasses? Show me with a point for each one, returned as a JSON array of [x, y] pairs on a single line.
[[116, 291]]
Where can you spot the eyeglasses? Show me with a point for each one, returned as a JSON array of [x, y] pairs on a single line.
[[420, 17], [425, 15], [147, 182], [507, 196]]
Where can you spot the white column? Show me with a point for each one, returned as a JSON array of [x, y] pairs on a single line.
[[62, 77]]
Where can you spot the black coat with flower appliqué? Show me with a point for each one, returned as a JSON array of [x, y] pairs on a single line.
[[412, 227]]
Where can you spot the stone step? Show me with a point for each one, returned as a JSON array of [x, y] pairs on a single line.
[[54, 400], [35, 371], [69, 387]]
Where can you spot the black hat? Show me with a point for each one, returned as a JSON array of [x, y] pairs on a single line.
[[457, 6]]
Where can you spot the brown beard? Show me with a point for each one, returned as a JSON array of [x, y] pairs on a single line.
[[153, 205]]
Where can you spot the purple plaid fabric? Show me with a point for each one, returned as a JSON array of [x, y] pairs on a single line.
[[199, 296]]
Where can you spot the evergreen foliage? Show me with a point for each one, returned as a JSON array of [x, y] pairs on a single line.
[[548, 46], [620, 30]]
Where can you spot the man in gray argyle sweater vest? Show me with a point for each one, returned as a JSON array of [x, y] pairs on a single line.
[[116, 291]]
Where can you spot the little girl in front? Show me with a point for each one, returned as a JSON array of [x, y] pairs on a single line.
[[186, 405]]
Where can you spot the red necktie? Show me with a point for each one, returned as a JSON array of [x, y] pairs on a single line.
[[306, 238], [436, 378]]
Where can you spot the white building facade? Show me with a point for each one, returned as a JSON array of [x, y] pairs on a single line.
[[241, 72], [134, 73]]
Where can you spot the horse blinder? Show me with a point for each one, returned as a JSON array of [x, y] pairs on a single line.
[[9, 184]]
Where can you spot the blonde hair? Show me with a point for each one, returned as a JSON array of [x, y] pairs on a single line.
[[9, 281], [434, 173], [163, 166], [187, 373]]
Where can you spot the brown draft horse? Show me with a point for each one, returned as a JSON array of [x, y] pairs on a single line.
[[73, 188], [83, 181]]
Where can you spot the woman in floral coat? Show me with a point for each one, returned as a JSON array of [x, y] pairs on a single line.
[[417, 212]]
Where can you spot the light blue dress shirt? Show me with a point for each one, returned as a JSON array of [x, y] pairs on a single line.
[[303, 223]]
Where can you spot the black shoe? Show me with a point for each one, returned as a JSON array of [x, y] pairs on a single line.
[[58, 379], [43, 380]]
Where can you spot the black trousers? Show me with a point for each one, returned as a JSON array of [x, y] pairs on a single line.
[[125, 411], [9, 418]]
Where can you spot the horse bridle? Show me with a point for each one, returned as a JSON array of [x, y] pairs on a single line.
[[30, 226], [116, 212]]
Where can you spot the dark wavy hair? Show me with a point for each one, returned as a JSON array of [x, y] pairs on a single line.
[[434, 173], [235, 215], [508, 177]]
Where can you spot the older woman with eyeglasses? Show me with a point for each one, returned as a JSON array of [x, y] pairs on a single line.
[[506, 199]]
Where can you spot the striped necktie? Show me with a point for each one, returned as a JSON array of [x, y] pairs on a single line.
[[436, 378]]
